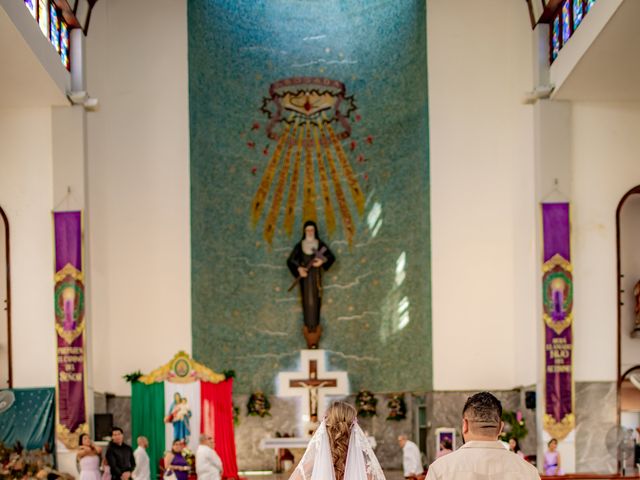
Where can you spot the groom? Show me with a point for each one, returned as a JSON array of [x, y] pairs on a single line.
[[482, 456]]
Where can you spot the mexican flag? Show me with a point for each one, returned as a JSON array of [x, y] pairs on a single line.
[[180, 401]]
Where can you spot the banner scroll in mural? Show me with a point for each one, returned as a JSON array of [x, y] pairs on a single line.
[[70, 327], [557, 298]]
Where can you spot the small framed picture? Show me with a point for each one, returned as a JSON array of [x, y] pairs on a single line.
[[445, 441]]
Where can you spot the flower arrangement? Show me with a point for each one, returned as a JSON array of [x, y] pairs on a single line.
[[18, 463], [366, 403], [189, 457], [258, 405], [514, 425], [397, 407]]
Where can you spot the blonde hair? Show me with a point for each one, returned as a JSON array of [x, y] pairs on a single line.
[[340, 418]]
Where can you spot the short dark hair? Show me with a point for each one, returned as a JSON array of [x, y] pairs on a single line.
[[483, 409], [116, 429]]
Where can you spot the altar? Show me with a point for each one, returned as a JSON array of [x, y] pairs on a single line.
[[295, 442], [297, 445]]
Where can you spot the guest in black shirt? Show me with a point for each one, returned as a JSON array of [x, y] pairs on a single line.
[[120, 456]]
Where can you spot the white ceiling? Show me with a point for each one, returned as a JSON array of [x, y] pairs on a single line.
[[610, 68], [24, 82]]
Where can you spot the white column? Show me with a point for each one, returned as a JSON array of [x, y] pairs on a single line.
[[70, 193], [77, 60], [552, 150]]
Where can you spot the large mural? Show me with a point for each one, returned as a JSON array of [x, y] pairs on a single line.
[[302, 110]]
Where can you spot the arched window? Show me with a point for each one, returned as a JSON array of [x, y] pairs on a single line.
[[5, 304], [628, 239]]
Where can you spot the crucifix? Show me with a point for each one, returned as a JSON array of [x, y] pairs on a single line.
[[313, 384]]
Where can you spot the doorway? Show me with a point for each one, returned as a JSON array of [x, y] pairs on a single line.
[[5, 305]]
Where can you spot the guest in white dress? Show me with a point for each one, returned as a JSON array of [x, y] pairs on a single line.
[[208, 463], [142, 470], [88, 457]]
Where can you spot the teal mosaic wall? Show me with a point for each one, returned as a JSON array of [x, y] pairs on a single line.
[[337, 90]]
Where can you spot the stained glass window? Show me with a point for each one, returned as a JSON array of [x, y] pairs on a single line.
[[566, 22], [590, 4], [64, 44], [555, 39], [43, 16], [55, 28], [578, 13], [31, 5]]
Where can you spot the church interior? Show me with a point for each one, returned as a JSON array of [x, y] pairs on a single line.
[[248, 209]]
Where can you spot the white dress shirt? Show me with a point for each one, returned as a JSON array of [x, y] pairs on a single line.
[[411, 459], [482, 461], [208, 463], [142, 470]]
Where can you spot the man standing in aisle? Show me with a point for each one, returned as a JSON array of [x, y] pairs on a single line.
[[208, 463], [411, 458], [142, 470], [482, 456]]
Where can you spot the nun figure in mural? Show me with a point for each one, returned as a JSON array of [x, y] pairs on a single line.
[[307, 260], [179, 415]]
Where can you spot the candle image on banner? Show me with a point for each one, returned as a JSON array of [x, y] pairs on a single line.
[[557, 300], [70, 327]]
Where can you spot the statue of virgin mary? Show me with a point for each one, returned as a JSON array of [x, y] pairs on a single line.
[[179, 415]]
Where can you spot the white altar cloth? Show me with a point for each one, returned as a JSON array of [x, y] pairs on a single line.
[[295, 442]]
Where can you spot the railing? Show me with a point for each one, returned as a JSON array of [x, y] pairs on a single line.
[[565, 21]]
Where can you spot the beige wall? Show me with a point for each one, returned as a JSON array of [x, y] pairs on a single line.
[[138, 183], [483, 212], [605, 166], [26, 195]]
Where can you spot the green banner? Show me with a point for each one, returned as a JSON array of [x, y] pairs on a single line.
[[147, 414]]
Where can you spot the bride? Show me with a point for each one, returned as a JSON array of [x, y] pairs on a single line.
[[339, 450]]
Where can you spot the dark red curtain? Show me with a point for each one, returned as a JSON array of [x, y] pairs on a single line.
[[217, 420]]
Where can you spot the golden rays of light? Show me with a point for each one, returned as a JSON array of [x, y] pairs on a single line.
[[308, 156]]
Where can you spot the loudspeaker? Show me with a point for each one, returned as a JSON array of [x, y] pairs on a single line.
[[530, 400], [102, 423]]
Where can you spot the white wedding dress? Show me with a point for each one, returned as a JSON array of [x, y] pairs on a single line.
[[316, 463]]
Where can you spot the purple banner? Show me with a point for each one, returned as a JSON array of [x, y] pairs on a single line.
[[557, 300], [70, 327], [68, 232]]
